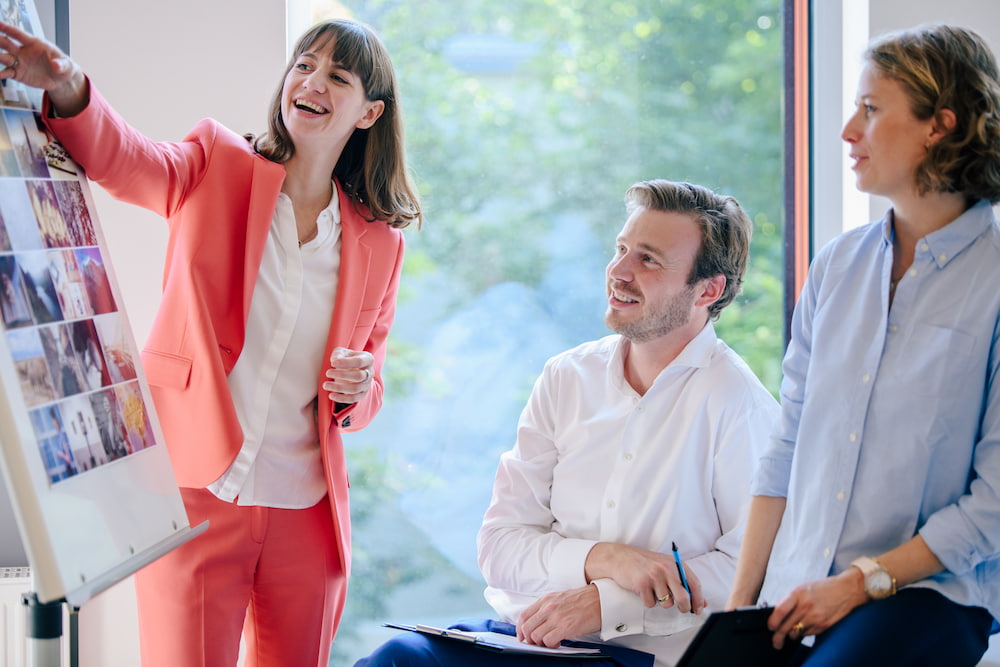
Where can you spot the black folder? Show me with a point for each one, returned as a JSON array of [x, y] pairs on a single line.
[[737, 638]]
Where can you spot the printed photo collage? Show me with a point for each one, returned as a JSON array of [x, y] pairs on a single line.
[[66, 336]]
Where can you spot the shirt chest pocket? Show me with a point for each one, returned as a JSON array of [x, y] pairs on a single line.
[[936, 362]]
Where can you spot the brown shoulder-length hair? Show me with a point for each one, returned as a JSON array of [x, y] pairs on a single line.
[[372, 169], [947, 67]]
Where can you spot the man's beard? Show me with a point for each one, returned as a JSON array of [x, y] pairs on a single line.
[[672, 315]]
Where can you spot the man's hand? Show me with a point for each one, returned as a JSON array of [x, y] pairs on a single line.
[[649, 574], [558, 616]]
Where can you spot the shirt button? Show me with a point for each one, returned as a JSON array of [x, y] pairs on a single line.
[[639, 408], [841, 495], [853, 437], [942, 258], [611, 504], [924, 246], [913, 272], [621, 627], [866, 378], [894, 328], [826, 552], [628, 457]]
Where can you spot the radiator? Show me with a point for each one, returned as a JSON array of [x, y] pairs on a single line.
[[13, 640], [13, 645]]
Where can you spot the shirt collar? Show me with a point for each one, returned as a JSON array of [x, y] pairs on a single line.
[[696, 354], [332, 208], [949, 241]]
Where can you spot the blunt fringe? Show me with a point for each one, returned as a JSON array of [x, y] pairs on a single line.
[[725, 230]]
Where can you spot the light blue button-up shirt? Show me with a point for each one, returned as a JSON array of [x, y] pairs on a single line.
[[890, 419]]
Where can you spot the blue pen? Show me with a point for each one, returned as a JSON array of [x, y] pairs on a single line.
[[680, 571]]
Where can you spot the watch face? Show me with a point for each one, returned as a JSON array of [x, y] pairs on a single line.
[[879, 584], [881, 581]]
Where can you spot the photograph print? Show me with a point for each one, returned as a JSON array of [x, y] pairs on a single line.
[[18, 216], [14, 306], [38, 286], [53, 443], [32, 367], [27, 139], [116, 347]]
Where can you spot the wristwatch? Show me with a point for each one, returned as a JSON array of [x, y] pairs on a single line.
[[879, 583]]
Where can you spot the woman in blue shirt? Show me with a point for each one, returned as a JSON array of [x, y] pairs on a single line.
[[875, 522]]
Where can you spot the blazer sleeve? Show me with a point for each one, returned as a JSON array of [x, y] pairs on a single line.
[[371, 333], [126, 163]]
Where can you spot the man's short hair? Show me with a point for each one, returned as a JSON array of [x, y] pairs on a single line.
[[725, 230]]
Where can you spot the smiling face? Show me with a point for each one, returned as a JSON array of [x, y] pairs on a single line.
[[887, 141], [322, 102], [647, 279]]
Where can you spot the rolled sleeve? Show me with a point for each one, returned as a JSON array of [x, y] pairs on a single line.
[[967, 533], [771, 478]]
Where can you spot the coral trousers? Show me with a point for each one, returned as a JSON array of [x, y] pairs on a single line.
[[273, 575]]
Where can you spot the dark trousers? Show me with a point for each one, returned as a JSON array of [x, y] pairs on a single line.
[[917, 627], [415, 649]]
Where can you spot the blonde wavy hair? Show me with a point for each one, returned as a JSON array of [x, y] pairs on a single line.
[[947, 67]]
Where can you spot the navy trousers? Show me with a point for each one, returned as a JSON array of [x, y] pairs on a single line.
[[917, 627], [415, 649]]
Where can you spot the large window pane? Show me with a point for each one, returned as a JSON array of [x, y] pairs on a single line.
[[526, 121]]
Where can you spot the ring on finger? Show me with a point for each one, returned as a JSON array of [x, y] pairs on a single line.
[[13, 65], [799, 628], [664, 598]]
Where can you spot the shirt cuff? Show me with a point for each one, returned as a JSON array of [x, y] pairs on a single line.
[[566, 567], [620, 615]]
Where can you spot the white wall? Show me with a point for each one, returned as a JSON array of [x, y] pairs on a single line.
[[837, 206], [164, 66]]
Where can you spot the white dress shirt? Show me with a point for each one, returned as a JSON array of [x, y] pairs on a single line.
[[596, 462], [274, 381]]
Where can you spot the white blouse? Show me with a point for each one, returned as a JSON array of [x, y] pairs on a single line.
[[274, 382]]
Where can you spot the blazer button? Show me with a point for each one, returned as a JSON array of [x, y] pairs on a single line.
[[346, 422]]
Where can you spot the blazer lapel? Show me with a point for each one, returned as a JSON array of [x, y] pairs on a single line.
[[355, 262], [265, 186]]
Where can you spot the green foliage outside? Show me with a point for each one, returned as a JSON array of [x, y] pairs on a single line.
[[579, 99], [600, 94]]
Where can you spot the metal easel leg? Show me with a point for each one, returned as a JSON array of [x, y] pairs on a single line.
[[74, 637], [44, 631]]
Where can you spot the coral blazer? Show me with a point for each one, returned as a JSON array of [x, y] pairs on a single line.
[[219, 197]]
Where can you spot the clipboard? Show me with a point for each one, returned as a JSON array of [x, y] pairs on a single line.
[[495, 641], [737, 638]]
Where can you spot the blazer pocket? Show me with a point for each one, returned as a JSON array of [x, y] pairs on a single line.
[[166, 370]]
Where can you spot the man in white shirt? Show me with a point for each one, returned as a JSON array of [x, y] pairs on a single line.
[[628, 445]]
